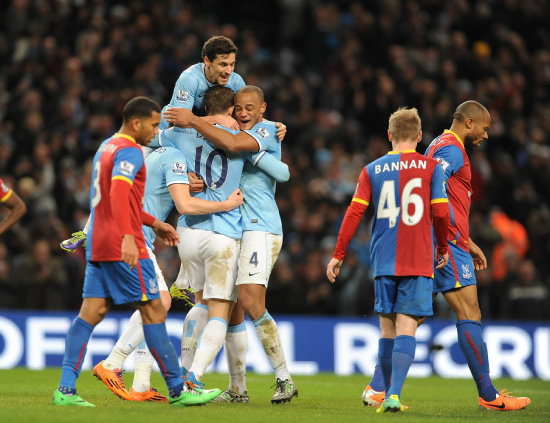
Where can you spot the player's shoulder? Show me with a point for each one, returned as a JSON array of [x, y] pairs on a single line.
[[236, 81], [264, 129], [193, 75]]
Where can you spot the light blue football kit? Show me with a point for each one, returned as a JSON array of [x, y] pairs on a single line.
[[191, 87]]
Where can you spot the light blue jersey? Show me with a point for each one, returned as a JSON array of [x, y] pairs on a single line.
[[221, 172], [259, 210], [165, 166], [191, 87]]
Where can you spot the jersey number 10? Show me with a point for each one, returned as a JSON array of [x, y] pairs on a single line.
[[208, 177]]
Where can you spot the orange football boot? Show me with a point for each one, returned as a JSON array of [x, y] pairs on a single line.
[[505, 402], [372, 398], [112, 379], [150, 395]]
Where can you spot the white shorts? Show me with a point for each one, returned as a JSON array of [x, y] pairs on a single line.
[[160, 276], [259, 252], [210, 262]]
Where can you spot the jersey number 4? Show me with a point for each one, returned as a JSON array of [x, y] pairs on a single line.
[[387, 208]]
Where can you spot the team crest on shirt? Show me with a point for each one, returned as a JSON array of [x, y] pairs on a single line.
[[182, 95], [153, 286], [262, 132], [178, 168], [466, 273], [5, 187], [126, 168]]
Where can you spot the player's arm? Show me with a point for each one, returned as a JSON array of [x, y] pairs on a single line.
[[16, 206], [234, 143], [275, 168], [354, 213], [440, 215], [186, 204], [450, 158], [224, 120], [127, 162], [480, 261]]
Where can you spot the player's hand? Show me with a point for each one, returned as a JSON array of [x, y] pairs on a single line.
[[235, 199], [196, 183], [281, 130], [129, 251], [480, 262], [333, 268], [166, 232], [179, 116], [441, 260], [223, 120]]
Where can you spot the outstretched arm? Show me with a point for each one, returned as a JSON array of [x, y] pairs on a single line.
[[237, 143], [186, 204], [17, 210], [276, 168]]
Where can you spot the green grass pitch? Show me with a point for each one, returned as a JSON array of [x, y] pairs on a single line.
[[25, 397]]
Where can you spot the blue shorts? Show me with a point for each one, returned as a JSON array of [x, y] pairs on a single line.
[[458, 272], [410, 295], [114, 279]]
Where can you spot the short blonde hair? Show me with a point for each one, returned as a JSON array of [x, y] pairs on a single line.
[[405, 124]]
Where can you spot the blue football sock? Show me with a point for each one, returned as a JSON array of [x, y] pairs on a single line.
[[475, 351], [385, 350], [402, 358], [75, 350], [377, 381], [164, 353]]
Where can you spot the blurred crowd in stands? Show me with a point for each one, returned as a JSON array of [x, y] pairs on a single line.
[[332, 71]]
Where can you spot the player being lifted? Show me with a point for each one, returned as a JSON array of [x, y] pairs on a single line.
[[260, 244], [407, 191], [119, 269], [220, 169]]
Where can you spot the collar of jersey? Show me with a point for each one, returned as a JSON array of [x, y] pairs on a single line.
[[448, 131], [402, 151], [128, 137]]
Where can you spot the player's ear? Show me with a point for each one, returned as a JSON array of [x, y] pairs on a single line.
[[390, 136], [263, 107], [469, 123], [206, 61], [419, 138]]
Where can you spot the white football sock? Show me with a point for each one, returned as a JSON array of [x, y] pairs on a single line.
[[268, 333], [128, 342], [236, 343], [144, 365], [87, 225], [194, 324], [211, 343]]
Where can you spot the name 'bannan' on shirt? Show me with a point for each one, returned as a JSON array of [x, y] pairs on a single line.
[[396, 166]]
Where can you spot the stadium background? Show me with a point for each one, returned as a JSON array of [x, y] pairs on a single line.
[[332, 71]]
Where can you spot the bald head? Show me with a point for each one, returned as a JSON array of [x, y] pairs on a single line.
[[253, 89], [471, 122], [470, 110]]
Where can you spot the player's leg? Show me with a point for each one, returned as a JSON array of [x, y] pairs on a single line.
[[193, 326], [220, 255], [259, 252], [211, 339], [141, 388], [94, 307], [236, 344]]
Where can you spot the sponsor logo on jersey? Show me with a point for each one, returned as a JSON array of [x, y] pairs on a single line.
[[126, 168], [262, 132], [444, 164], [466, 273], [182, 95], [178, 168]]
